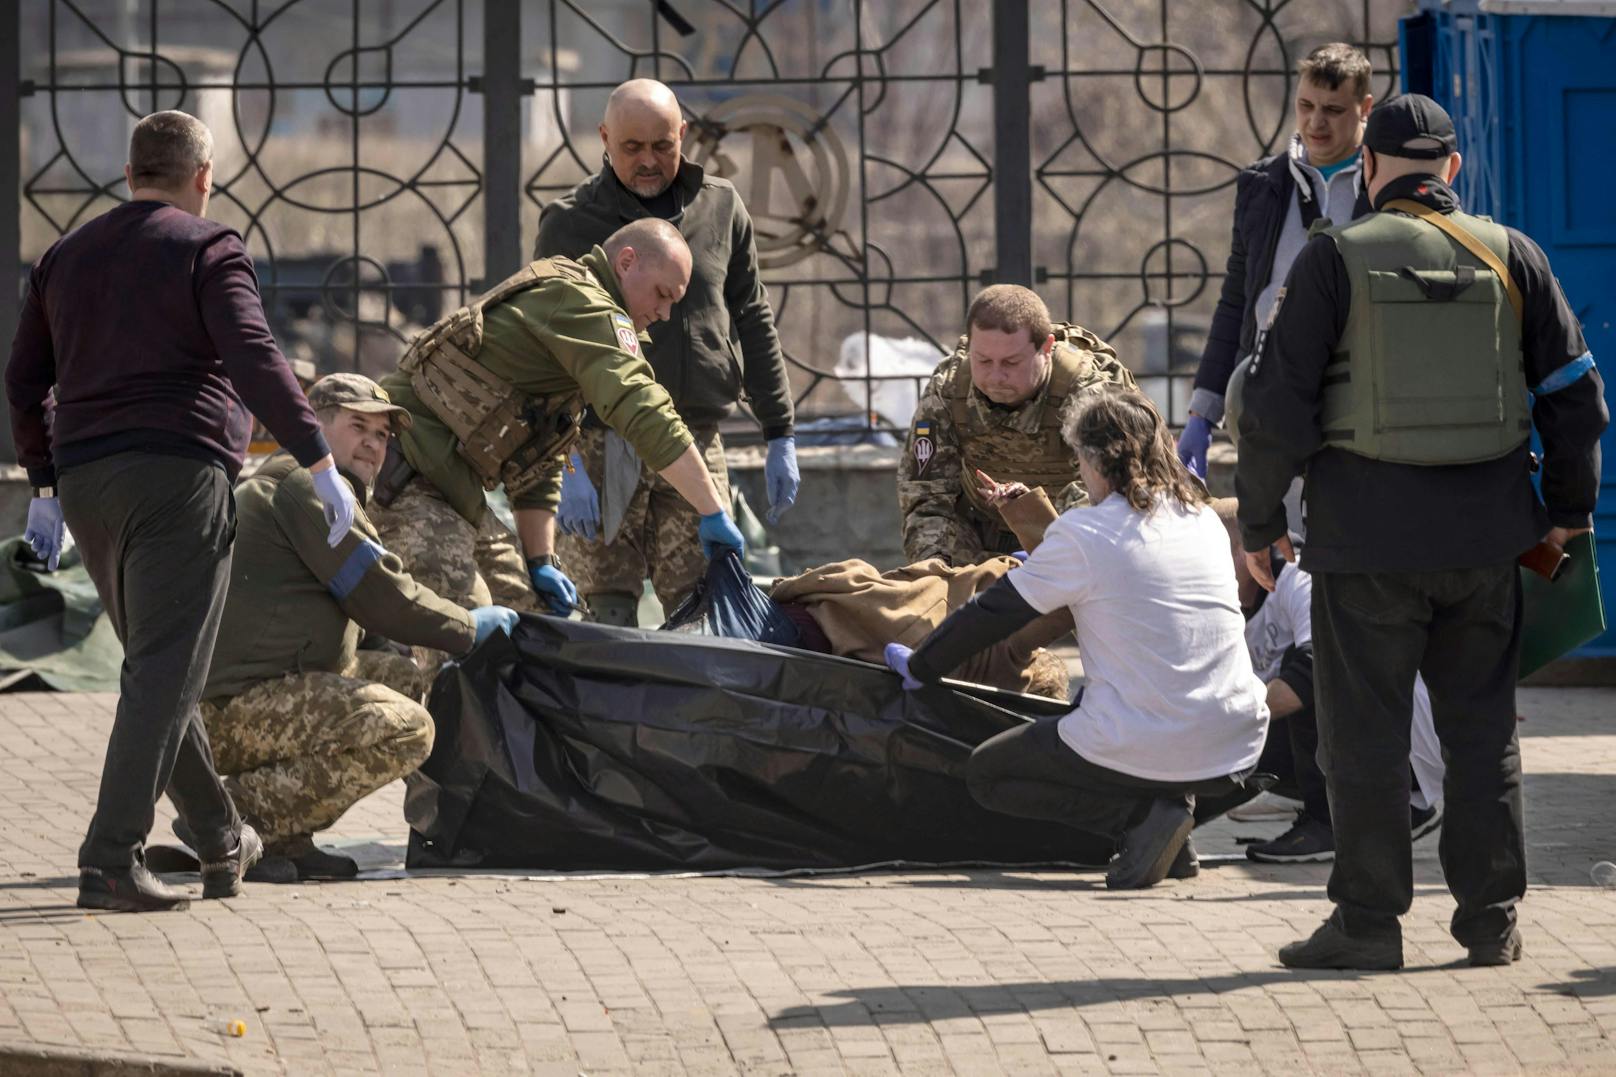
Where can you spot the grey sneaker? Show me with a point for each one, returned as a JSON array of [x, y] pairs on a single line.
[[1505, 951], [1332, 948], [222, 878], [1150, 846], [1186, 865]]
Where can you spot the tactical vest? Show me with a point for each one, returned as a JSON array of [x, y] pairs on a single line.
[[1046, 462], [507, 436], [1429, 370]]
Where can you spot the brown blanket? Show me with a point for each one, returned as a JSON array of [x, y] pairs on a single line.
[[861, 610]]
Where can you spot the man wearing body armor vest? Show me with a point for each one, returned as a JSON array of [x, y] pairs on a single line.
[[1394, 374], [495, 392], [620, 523], [995, 406]]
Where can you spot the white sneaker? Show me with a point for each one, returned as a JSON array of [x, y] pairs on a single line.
[[1265, 806]]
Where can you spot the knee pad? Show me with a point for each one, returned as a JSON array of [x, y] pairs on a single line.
[[614, 608]]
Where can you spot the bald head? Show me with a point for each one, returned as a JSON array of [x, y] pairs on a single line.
[[652, 264], [637, 97], [643, 131]]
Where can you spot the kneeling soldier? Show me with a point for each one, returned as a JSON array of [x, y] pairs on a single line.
[[995, 406], [302, 723]]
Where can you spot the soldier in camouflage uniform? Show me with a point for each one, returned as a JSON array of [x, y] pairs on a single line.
[[995, 406], [719, 345], [302, 723], [496, 391]]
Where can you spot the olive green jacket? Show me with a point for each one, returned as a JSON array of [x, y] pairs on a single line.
[[557, 338], [296, 605], [720, 345]]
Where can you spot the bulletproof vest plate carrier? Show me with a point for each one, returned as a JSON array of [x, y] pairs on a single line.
[[1048, 462], [507, 436], [1429, 370]]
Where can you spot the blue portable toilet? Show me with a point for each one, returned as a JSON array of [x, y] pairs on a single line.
[[1531, 87]]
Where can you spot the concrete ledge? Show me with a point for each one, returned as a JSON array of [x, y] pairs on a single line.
[[1575, 673], [29, 1060], [847, 506]]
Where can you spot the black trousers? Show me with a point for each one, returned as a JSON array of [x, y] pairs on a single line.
[[1029, 772], [155, 534], [1461, 629]]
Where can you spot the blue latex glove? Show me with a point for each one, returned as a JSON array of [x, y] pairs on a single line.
[[1193, 443], [336, 497], [485, 619], [897, 656], [45, 529], [780, 472], [558, 592], [717, 532], [1021, 555], [579, 513]]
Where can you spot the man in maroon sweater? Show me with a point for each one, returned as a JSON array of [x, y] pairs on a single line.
[[147, 324]]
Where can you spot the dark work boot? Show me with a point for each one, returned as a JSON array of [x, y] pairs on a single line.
[[313, 862], [1150, 845], [131, 889], [614, 608], [1330, 947]]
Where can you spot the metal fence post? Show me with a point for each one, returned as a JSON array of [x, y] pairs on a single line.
[[503, 90], [10, 192], [1012, 145]]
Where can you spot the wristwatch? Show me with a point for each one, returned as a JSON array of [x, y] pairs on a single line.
[[44, 491], [543, 560]]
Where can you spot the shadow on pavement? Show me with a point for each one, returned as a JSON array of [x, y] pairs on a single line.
[[925, 1003]]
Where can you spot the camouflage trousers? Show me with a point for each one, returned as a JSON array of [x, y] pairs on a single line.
[[468, 565], [657, 537], [298, 751]]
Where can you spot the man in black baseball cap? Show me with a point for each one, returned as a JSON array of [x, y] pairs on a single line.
[[1396, 371], [1411, 126]]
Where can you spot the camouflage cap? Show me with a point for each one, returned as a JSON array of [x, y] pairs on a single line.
[[357, 393]]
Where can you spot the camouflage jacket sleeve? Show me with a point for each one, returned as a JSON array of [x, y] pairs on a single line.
[[596, 345], [929, 475], [369, 583]]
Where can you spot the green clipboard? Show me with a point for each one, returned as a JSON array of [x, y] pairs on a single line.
[[1559, 617]]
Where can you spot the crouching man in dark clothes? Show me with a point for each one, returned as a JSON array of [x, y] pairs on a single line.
[[148, 324], [1171, 708]]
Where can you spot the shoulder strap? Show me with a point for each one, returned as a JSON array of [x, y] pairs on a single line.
[[959, 391], [1468, 241]]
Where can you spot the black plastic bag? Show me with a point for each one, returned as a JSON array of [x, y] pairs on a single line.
[[727, 603], [580, 746]]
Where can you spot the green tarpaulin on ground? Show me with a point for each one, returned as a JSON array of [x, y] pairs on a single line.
[[53, 633]]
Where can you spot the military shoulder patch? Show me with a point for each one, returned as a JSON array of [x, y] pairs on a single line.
[[627, 338], [924, 449]]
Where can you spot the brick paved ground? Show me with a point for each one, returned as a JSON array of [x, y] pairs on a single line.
[[972, 972]]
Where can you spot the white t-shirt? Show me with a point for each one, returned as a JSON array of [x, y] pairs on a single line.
[[1171, 695], [1285, 620]]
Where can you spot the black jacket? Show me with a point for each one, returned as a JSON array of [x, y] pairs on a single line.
[[1261, 201], [720, 345], [1367, 515]]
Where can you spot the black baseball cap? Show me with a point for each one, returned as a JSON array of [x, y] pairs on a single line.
[[1411, 125]]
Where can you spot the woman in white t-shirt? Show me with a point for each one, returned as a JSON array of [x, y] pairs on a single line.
[[1171, 707]]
